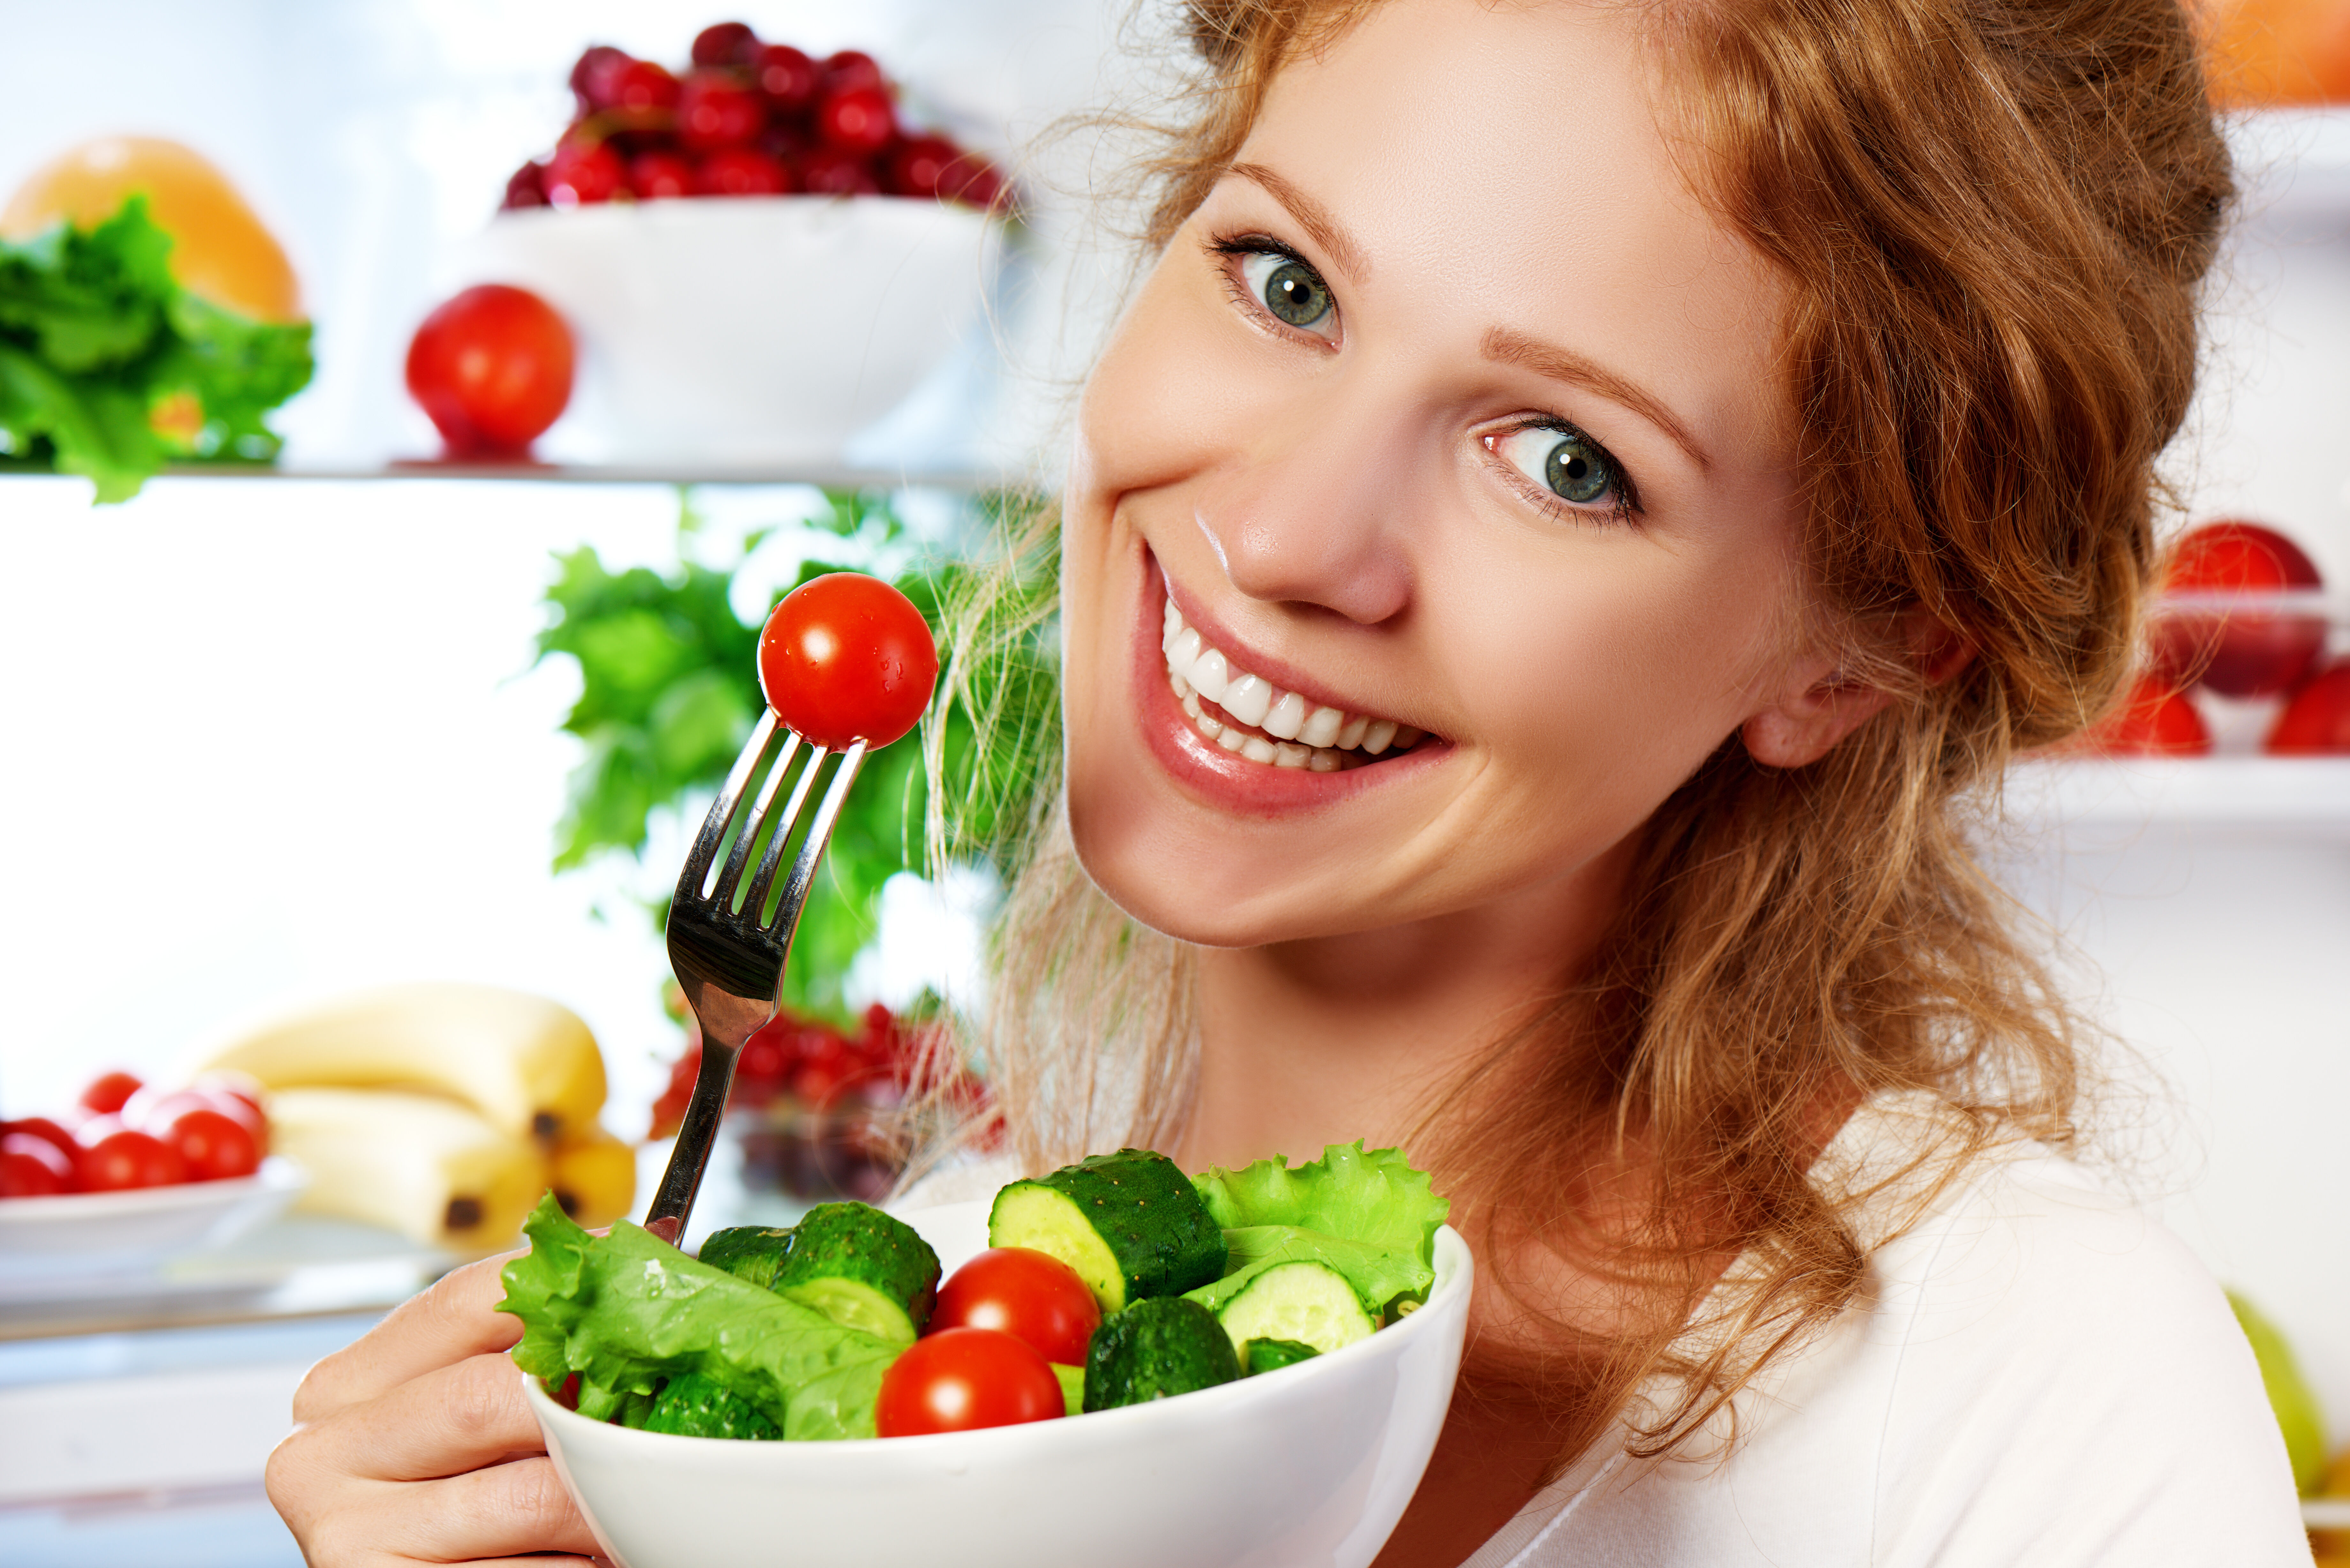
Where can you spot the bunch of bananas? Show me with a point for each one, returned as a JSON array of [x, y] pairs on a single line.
[[442, 1111]]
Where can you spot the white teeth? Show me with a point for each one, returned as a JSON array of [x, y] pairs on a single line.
[[1287, 717], [1209, 674], [1321, 726], [1184, 650], [1231, 739], [1246, 698], [1379, 736], [1286, 755], [1182, 687], [1350, 733], [1257, 749]]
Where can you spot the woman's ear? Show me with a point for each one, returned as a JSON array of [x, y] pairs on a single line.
[[1823, 704]]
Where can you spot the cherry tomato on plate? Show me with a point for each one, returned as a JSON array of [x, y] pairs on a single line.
[[961, 1379], [50, 1132], [123, 1159], [493, 369], [847, 657], [31, 1167], [211, 1144], [108, 1091], [1031, 1295]]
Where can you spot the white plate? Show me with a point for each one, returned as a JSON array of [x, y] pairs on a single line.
[[1309, 1467], [75, 1229]]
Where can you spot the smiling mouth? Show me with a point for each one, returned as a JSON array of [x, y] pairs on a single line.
[[1248, 715]]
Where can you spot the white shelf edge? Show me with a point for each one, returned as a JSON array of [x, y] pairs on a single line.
[[2272, 797]]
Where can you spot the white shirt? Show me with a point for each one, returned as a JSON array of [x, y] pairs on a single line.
[[2035, 1375]]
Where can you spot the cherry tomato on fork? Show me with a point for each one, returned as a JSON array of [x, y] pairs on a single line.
[[960, 1379], [847, 657], [1031, 1295]]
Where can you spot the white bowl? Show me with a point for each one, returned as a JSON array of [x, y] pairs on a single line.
[[146, 1222], [744, 331], [1305, 1468]]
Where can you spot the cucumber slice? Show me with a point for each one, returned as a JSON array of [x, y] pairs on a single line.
[[857, 1265], [695, 1406], [1131, 1223], [1072, 1386], [1155, 1349], [1272, 1354], [1309, 1303]]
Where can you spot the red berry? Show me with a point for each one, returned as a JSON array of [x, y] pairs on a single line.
[[212, 1147], [857, 119], [916, 165], [724, 44], [583, 173], [109, 1092], [124, 1159], [654, 176], [642, 85], [595, 75], [526, 187], [741, 171], [851, 70], [31, 1166], [828, 171], [715, 112], [788, 77], [976, 183]]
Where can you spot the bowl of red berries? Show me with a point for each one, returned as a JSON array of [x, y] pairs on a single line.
[[131, 1169], [759, 255]]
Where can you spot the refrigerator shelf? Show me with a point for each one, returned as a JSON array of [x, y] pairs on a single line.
[[2277, 798]]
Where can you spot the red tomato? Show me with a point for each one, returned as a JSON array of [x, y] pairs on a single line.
[[49, 1132], [960, 1379], [31, 1167], [2156, 720], [715, 110], [2240, 653], [213, 1146], [492, 366], [847, 658], [109, 1091], [126, 1158], [857, 119], [1031, 1295], [2316, 723]]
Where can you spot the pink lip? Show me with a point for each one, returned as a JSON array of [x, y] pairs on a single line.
[[1221, 777]]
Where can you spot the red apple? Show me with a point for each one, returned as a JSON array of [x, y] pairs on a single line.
[[2237, 652], [2155, 719], [2316, 723]]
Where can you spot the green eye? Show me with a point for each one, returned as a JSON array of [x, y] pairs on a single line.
[[1288, 288], [1575, 468]]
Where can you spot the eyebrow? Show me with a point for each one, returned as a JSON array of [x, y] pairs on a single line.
[[1504, 346], [1321, 225]]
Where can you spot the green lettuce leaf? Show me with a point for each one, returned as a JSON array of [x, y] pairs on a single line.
[[1374, 1197], [628, 1312], [1379, 1274]]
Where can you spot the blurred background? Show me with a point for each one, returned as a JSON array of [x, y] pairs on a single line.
[[386, 705]]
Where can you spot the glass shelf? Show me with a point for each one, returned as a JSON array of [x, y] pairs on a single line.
[[2272, 798]]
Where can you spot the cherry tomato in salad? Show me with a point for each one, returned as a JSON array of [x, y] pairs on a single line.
[[961, 1379], [109, 1091], [493, 369], [32, 1167], [1031, 1295], [847, 658], [125, 1159], [211, 1144]]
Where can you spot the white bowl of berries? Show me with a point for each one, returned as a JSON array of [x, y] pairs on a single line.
[[756, 257]]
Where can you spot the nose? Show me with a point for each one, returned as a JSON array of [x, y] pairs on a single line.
[[1311, 512]]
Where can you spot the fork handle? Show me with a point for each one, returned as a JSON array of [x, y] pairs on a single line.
[[698, 1131]]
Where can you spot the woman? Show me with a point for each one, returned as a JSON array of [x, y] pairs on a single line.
[[1583, 498]]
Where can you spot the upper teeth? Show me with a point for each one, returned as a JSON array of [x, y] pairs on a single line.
[[1198, 670]]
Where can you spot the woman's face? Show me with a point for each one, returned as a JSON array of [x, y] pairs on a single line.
[[1452, 412]]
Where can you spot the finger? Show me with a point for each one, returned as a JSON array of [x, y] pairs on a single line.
[[448, 1421], [502, 1514], [454, 1320]]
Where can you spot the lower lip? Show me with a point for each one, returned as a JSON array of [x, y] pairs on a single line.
[[1225, 779]]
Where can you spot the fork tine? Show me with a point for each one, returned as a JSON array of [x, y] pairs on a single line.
[[757, 898], [796, 890], [722, 810], [727, 878]]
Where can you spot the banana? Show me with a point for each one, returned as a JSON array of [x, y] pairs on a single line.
[[424, 1165], [526, 1063], [594, 1178]]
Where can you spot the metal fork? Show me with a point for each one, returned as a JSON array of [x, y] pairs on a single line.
[[728, 959]]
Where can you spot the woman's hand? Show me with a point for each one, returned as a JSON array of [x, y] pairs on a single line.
[[415, 1445]]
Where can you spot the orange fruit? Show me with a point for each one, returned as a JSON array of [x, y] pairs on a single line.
[[2269, 53], [219, 249]]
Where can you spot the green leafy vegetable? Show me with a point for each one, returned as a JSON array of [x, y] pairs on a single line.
[[1374, 1199], [109, 369], [628, 1314]]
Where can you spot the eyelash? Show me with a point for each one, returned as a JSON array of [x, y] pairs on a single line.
[[1626, 508]]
